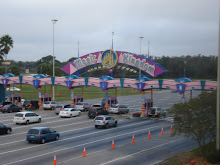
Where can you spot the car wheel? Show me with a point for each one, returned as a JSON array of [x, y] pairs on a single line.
[[71, 115], [8, 131], [79, 114], [57, 137], [28, 141], [17, 123], [3, 112], [106, 126], [27, 122], [116, 123], [52, 108], [39, 120], [96, 126], [42, 141]]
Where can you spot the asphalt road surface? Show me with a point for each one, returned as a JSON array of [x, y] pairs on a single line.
[[79, 132]]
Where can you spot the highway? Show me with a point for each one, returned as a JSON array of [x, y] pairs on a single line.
[[79, 132]]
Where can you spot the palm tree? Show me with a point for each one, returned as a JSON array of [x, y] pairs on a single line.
[[6, 43]]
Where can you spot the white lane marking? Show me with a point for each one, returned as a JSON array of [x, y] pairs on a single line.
[[94, 152], [140, 151], [74, 138], [69, 131], [53, 127]]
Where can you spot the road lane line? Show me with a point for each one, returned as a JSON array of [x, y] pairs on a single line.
[[69, 131], [140, 152], [76, 145]]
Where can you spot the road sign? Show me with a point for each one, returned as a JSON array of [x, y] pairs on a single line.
[[72, 95], [39, 94]]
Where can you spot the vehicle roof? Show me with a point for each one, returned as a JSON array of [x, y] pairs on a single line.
[[68, 108], [24, 112], [39, 128]]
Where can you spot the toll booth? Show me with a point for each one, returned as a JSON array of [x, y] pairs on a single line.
[[45, 97], [111, 100], [16, 99], [78, 98], [148, 104]]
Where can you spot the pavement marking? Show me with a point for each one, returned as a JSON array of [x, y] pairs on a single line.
[[53, 127], [76, 145], [140, 152]]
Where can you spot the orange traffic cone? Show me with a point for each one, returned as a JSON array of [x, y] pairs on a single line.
[[149, 135], [133, 139], [113, 144], [84, 152], [171, 129], [161, 131], [55, 161]]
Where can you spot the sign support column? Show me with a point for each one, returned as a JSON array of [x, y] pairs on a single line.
[[72, 97], [151, 93], [106, 99], [39, 94], [143, 104]]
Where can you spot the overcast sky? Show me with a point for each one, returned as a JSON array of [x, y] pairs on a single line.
[[173, 27]]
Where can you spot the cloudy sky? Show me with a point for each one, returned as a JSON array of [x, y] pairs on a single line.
[[173, 27]]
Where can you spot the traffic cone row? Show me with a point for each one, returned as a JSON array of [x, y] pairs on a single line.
[[113, 144]]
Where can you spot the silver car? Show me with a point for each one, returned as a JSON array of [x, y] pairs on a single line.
[[156, 112], [49, 105], [82, 106], [118, 108], [105, 121]]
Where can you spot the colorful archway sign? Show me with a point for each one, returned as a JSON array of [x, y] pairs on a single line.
[[110, 58], [5, 82], [36, 83], [180, 88]]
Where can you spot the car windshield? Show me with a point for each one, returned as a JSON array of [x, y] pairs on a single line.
[[99, 118], [8, 105], [154, 109], [47, 103], [96, 105], [65, 110], [79, 103], [27, 102], [114, 106], [59, 106], [33, 131], [19, 115]]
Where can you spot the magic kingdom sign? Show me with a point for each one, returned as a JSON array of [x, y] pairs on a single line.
[[110, 58]]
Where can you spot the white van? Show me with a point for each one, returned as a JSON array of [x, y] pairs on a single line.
[[26, 118]]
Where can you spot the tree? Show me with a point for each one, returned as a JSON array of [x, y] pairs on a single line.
[[15, 70], [6, 43], [197, 119]]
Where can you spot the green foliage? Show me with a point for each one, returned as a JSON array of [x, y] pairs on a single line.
[[6, 43], [15, 70], [197, 118]]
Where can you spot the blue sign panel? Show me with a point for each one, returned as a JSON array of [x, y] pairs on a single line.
[[106, 96], [36, 83], [180, 88], [39, 94], [103, 85], [69, 84], [140, 86], [5, 82], [72, 95], [142, 100]]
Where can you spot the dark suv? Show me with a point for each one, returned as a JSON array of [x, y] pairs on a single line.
[[31, 104], [97, 109]]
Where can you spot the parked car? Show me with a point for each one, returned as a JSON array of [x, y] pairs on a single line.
[[83, 106], [61, 107], [26, 118], [5, 129], [49, 105], [96, 110], [156, 112], [41, 135], [14, 89], [69, 112], [30, 104], [118, 108], [105, 121], [11, 108]]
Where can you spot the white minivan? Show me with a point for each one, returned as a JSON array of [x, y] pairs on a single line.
[[26, 118]]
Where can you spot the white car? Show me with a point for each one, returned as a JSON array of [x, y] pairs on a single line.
[[49, 105], [69, 112], [14, 89], [26, 118]]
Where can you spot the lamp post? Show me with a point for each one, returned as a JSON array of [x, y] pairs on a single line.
[[140, 54], [53, 21]]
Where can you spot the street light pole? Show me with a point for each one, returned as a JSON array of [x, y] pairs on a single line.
[[140, 54], [53, 21]]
